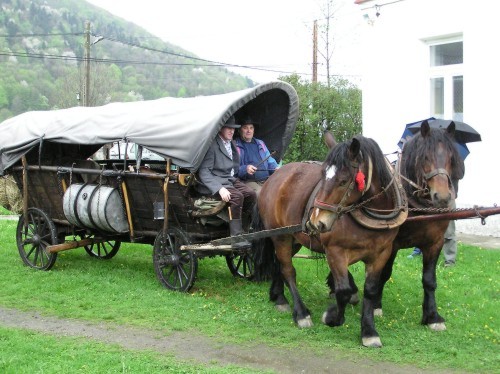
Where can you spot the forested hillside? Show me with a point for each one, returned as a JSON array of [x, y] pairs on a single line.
[[42, 51]]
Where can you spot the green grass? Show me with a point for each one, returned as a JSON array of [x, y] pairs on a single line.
[[124, 290], [29, 352], [4, 211]]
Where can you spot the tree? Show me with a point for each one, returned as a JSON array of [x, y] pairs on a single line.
[[4, 100], [104, 82], [336, 108]]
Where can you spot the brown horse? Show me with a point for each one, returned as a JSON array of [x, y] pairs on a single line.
[[355, 172], [430, 168]]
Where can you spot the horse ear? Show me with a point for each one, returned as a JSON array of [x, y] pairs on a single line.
[[425, 129], [354, 148], [329, 139], [451, 129]]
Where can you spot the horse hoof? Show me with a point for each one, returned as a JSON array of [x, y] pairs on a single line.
[[437, 326], [283, 308], [323, 318], [305, 322], [378, 312], [373, 342]]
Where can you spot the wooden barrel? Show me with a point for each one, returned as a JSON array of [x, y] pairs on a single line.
[[95, 207]]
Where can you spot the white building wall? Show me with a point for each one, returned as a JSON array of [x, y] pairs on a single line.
[[396, 84]]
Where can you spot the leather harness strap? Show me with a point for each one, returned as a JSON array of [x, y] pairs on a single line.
[[309, 205]]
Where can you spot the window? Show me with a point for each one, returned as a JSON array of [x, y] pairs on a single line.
[[447, 54], [446, 80]]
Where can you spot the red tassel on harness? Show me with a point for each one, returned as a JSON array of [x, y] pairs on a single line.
[[360, 180]]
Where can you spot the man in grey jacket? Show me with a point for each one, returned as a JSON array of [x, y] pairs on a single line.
[[218, 176]]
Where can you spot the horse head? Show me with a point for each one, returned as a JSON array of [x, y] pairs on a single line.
[[353, 170], [431, 166]]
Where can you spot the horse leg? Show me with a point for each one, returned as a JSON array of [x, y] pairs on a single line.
[[277, 293], [430, 315], [354, 300], [285, 250], [334, 315], [384, 277], [371, 294]]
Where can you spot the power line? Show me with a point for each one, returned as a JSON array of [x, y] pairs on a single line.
[[141, 62], [214, 63], [202, 62], [67, 58], [54, 34]]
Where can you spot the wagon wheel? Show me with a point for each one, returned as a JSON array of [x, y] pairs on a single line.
[[175, 269], [104, 250], [33, 234], [241, 264]]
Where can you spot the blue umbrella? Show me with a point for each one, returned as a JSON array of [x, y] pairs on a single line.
[[409, 131]]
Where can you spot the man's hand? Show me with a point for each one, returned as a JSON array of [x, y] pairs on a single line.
[[225, 194], [251, 169]]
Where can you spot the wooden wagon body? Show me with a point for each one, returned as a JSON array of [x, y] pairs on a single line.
[[71, 200]]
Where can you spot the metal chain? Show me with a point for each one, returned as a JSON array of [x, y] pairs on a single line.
[[440, 210], [350, 208]]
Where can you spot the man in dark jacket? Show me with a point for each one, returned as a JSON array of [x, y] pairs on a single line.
[[218, 176]]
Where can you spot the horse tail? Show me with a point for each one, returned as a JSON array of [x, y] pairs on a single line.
[[265, 261]]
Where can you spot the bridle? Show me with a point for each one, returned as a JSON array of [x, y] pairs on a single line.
[[422, 191], [341, 208]]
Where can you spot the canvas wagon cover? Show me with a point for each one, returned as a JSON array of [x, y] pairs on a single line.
[[177, 128]]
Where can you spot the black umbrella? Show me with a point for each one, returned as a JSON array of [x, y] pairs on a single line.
[[407, 134], [464, 133]]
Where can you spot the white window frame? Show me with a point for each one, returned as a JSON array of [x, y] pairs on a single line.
[[447, 72]]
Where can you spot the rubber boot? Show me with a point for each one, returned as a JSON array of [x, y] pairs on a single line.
[[236, 229]]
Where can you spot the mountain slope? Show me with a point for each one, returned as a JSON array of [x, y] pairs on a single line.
[[42, 54]]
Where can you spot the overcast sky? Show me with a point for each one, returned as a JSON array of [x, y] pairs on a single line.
[[271, 34]]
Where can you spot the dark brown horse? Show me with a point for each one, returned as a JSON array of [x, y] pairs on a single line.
[[430, 167], [355, 172]]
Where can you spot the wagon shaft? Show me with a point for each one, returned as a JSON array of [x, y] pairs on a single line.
[[459, 214], [259, 234], [208, 247]]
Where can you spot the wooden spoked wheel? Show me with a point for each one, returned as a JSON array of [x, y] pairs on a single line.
[[104, 250], [175, 269], [35, 232], [241, 265]]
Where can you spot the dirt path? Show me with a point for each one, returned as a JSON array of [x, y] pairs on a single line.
[[201, 349]]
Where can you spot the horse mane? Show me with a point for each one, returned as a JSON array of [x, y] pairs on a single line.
[[419, 150], [339, 156]]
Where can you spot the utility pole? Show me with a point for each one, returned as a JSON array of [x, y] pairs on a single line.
[[315, 53], [86, 82]]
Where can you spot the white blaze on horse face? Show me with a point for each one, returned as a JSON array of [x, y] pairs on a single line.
[[330, 172]]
